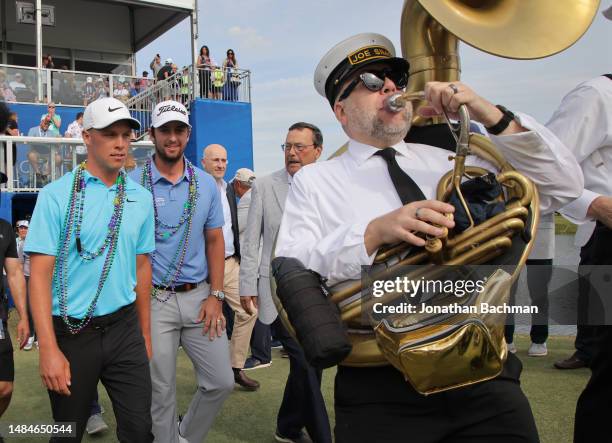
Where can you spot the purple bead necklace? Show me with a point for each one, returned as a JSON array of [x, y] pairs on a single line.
[[73, 220]]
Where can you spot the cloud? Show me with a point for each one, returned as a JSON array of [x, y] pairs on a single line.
[[248, 38]]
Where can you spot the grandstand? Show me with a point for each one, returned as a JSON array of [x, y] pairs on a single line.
[[96, 57]]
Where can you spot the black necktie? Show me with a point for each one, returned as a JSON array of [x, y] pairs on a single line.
[[406, 188]]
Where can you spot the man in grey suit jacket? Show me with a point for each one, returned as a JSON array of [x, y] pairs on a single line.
[[303, 404]]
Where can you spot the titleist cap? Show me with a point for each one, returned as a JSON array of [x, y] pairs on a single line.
[[169, 111], [349, 55], [104, 112]]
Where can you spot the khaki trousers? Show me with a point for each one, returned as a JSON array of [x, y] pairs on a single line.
[[243, 322]]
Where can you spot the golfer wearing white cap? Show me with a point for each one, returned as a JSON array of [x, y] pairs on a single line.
[[187, 280], [89, 240], [380, 192]]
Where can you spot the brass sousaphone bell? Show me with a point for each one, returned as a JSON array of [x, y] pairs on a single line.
[[430, 33]]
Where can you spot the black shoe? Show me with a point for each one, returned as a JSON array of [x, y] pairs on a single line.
[[253, 363], [284, 353], [302, 438], [572, 362], [276, 344], [247, 383]]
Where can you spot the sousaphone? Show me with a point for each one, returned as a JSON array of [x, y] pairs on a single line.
[[430, 35]]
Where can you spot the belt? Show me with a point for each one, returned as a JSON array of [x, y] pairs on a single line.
[[99, 322], [181, 287]]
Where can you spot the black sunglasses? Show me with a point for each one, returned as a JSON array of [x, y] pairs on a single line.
[[375, 80]]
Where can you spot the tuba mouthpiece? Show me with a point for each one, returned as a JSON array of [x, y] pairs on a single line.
[[396, 102]]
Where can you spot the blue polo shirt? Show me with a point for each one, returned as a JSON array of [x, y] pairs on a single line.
[[136, 236], [170, 199]]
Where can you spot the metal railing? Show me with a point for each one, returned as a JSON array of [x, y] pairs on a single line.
[[69, 88], [176, 87], [78, 88], [229, 84], [36, 161]]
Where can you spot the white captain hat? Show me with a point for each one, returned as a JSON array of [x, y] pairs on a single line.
[[349, 55]]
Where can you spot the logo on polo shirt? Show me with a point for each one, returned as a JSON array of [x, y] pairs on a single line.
[[169, 108], [368, 53]]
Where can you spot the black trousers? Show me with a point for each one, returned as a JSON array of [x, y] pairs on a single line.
[[110, 349], [539, 273], [378, 405], [303, 404], [261, 342], [594, 407]]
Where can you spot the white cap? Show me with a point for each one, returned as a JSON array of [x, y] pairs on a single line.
[[89, 80], [245, 175], [106, 111], [169, 111], [351, 54], [24, 223], [169, 61]]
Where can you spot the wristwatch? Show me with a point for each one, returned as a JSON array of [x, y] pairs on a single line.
[[501, 125], [219, 295]]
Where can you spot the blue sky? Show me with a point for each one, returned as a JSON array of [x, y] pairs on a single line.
[[281, 42]]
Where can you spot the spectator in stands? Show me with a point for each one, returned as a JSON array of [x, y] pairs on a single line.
[[18, 83], [163, 74], [144, 81], [205, 65], [13, 125], [230, 66], [185, 82], [218, 80], [155, 65], [67, 92], [47, 62], [6, 93], [89, 92], [75, 130], [39, 154], [101, 89], [55, 121], [166, 70], [12, 129], [122, 93], [134, 88]]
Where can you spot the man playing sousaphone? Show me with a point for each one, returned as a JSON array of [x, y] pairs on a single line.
[[340, 212]]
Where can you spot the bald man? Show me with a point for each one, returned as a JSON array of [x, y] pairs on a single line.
[[214, 162]]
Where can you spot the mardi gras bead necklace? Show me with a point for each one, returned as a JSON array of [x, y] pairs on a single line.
[[73, 220], [166, 230]]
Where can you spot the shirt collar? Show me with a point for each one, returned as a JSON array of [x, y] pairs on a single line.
[[289, 178], [129, 183], [157, 176], [361, 152]]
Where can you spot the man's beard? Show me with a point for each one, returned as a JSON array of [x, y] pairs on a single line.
[[170, 160], [372, 125]]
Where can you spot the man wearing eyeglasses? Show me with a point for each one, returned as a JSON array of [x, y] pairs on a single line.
[[303, 405], [340, 212]]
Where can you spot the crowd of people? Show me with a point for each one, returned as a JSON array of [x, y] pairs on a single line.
[[183, 258]]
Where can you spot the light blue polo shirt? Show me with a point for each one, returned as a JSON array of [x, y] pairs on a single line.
[[136, 236], [170, 199]]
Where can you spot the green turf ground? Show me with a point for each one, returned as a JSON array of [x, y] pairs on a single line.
[[251, 416]]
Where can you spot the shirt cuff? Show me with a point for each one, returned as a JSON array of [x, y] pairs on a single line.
[[364, 259], [530, 140], [576, 211]]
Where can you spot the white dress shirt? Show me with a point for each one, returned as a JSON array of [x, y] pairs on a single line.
[[331, 203], [583, 123], [228, 235]]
